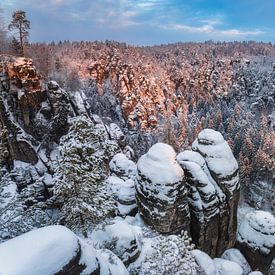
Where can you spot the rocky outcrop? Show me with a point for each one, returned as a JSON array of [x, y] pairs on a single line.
[[208, 266], [121, 181], [120, 238], [56, 250], [161, 191], [256, 240], [29, 115], [60, 109], [20, 98], [202, 200], [41, 252], [22, 83], [213, 182]]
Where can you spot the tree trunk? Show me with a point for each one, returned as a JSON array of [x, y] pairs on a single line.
[[21, 41]]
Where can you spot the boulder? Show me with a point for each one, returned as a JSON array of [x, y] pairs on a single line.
[[41, 251], [205, 263], [120, 238], [161, 191], [227, 267], [256, 240], [234, 255], [124, 194], [123, 167], [56, 250]]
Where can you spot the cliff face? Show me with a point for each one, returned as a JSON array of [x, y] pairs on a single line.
[[29, 114], [20, 98]]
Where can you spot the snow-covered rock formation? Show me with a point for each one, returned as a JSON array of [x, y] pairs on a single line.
[[216, 266], [256, 239], [121, 181], [161, 191], [202, 200], [119, 237], [213, 180], [55, 250], [234, 255]]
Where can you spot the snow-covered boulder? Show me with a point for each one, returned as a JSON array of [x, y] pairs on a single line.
[[227, 267], [256, 239], [204, 262], [56, 250], [234, 255], [203, 201], [124, 193], [126, 200], [102, 261], [161, 191], [219, 159], [47, 250], [123, 167], [215, 168], [119, 237]]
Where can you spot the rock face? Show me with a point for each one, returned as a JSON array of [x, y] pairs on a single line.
[[256, 240], [202, 200], [20, 97], [29, 115], [161, 192], [213, 181]]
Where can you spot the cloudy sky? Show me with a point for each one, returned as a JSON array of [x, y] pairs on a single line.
[[147, 22]]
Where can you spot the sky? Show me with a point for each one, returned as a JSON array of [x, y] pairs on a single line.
[[147, 22]]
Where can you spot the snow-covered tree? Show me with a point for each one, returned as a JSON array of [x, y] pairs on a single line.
[[81, 171], [168, 255], [19, 212]]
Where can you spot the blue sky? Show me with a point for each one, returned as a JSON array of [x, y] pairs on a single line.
[[147, 22]]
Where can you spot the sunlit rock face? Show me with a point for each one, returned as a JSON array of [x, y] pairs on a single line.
[[213, 181], [20, 98], [161, 191], [256, 239], [20, 79], [28, 113]]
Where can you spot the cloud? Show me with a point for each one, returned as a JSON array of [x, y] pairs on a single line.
[[211, 30]]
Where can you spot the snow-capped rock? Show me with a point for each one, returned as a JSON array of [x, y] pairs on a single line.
[[256, 239], [161, 192], [41, 251], [205, 263], [119, 237], [227, 267], [219, 159], [123, 167], [202, 200], [234, 255], [219, 170], [123, 173]]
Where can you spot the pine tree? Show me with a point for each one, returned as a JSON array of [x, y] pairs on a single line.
[[79, 190], [22, 25]]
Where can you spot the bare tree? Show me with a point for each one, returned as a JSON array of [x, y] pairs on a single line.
[[22, 24]]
